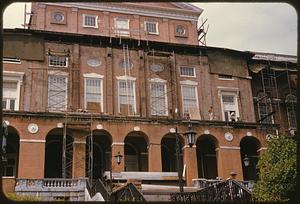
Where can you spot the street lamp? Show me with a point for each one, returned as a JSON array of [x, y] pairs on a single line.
[[246, 161], [118, 160], [190, 138]]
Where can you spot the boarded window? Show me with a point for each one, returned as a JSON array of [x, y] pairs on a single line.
[[57, 92], [158, 99]]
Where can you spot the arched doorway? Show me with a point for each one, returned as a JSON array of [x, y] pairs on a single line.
[[10, 167], [136, 152], [206, 157], [168, 152], [249, 148], [53, 154], [101, 157]]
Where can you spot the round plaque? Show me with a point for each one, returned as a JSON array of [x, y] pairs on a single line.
[[157, 67], [228, 136], [93, 62], [58, 17], [33, 128]]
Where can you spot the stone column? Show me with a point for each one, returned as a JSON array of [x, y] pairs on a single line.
[[154, 157], [190, 162], [79, 156], [115, 148], [31, 159], [228, 160]]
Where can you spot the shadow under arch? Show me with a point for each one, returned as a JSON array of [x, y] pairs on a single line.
[[136, 151], [10, 167], [168, 152], [249, 146], [206, 156], [101, 157], [53, 167]]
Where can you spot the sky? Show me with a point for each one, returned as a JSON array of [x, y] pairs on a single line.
[[261, 27]]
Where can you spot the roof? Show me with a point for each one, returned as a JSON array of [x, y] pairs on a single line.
[[274, 57]]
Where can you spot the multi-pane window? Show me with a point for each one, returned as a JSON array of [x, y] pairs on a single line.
[[189, 98], [126, 90], [9, 95], [93, 92], [58, 61], [57, 92], [122, 26], [230, 107], [264, 109], [151, 27], [187, 71], [291, 102], [158, 99], [90, 21]]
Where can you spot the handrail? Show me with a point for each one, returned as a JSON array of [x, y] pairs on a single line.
[[127, 193], [98, 186]]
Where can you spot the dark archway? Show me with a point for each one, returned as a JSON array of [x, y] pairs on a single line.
[[102, 141], [53, 154], [206, 157], [250, 146], [10, 168], [168, 153], [136, 152]]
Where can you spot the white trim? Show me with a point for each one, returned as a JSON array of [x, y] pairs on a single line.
[[189, 82], [196, 94], [187, 146], [11, 60], [228, 89], [121, 31], [79, 142], [93, 75], [126, 77], [157, 80], [57, 72], [118, 143], [194, 76], [67, 61], [156, 25], [121, 8], [262, 148], [32, 141], [236, 105], [89, 26]]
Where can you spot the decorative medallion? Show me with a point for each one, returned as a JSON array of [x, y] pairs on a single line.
[[206, 132], [33, 128], [172, 130], [228, 136], [136, 128], [59, 125], [99, 127], [249, 133], [180, 30], [93, 62], [157, 67], [58, 17]]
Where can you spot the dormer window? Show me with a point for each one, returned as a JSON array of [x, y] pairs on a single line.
[[90, 21], [58, 61], [151, 27]]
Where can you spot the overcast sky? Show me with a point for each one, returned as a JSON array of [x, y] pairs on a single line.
[[263, 27]]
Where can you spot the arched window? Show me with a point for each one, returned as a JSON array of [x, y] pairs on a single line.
[[264, 106], [290, 102]]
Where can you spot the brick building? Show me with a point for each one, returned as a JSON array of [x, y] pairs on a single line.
[[128, 74]]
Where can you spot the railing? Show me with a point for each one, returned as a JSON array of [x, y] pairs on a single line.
[[60, 183], [127, 193], [98, 186], [204, 183], [229, 190]]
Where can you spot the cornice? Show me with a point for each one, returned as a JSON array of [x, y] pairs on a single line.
[[133, 9]]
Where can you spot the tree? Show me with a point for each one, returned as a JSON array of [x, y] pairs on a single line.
[[277, 170]]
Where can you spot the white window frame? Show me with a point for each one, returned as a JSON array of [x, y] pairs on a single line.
[[12, 76], [229, 92], [220, 77], [194, 71], [121, 32], [94, 76], [156, 27], [89, 26], [133, 80], [50, 65], [66, 95], [164, 83], [189, 84], [11, 60]]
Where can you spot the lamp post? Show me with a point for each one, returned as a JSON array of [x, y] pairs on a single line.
[[118, 160], [190, 137]]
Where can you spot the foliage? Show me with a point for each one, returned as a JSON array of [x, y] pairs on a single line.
[[15, 197], [277, 170]]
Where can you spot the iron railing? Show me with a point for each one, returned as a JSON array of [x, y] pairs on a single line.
[[96, 187], [127, 193], [229, 190]]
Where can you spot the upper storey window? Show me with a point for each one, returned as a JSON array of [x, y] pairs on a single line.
[[58, 61], [189, 98], [122, 26], [151, 27], [90, 21], [180, 31], [58, 17], [187, 71], [230, 106]]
